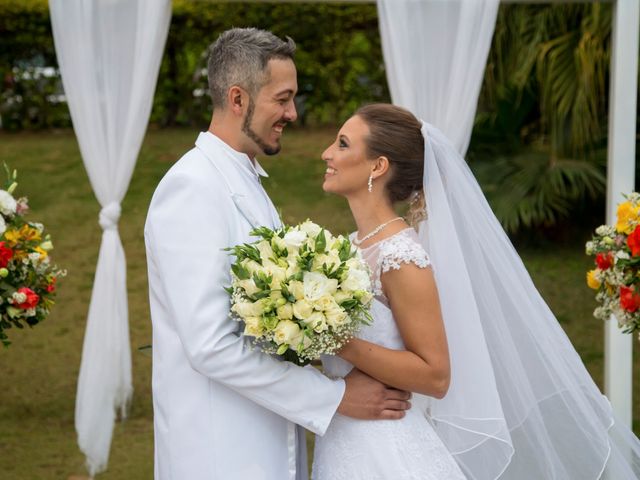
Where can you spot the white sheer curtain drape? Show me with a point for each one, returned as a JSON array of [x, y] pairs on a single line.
[[109, 53], [435, 53]]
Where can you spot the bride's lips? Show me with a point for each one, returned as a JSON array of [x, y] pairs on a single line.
[[329, 172]]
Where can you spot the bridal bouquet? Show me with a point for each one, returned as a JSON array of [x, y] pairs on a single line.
[[616, 277], [300, 291], [27, 277]]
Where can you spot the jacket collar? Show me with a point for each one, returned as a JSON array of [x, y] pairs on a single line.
[[208, 142]]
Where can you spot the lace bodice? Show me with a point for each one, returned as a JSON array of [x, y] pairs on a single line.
[[390, 253]]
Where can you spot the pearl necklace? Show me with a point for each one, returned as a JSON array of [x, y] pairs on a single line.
[[374, 232]]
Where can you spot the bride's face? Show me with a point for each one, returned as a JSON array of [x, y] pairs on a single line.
[[348, 168]]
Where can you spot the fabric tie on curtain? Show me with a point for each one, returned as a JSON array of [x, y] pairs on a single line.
[[109, 55], [109, 216]]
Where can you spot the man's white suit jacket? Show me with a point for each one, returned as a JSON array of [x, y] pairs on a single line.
[[221, 410]]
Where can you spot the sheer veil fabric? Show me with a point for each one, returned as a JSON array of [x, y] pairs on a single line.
[[521, 403]]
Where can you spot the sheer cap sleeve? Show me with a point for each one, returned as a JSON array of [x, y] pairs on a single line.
[[402, 249]]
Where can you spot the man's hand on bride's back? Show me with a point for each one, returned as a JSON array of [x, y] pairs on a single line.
[[368, 399]]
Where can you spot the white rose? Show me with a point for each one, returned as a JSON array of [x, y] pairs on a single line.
[[356, 280], [253, 327], [3, 225], [287, 332], [355, 263], [297, 289], [294, 239], [302, 309], [317, 285], [277, 273], [292, 268], [340, 296], [285, 312], [336, 317], [8, 204], [247, 309], [278, 242], [310, 228], [317, 321], [325, 302], [330, 258], [266, 252], [251, 265], [249, 286]]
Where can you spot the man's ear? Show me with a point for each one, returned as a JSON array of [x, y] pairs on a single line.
[[237, 100]]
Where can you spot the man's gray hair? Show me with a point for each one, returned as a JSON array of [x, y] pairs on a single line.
[[239, 57]]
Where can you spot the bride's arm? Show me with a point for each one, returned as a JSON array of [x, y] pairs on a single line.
[[424, 366]]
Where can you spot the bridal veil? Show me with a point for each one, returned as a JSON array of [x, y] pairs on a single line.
[[521, 404]]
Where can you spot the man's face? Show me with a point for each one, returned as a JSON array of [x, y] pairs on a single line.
[[272, 107]]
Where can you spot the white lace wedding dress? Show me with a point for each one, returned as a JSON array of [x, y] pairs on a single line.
[[406, 449]]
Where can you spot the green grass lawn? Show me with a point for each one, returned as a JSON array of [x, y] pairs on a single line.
[[37, 391]]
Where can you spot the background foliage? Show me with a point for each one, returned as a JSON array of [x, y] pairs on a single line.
[[539, 143]]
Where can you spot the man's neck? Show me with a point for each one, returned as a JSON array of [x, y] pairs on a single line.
[[230, 134]]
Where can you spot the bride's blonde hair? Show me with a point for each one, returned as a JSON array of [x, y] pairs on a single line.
[[396, 133]]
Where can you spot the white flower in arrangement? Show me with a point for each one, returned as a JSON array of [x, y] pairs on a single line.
[[342, 296], [8, 204], [336, 317], [30, 312], [356, 280], [622, 255], [3, 225], [297, 289], [18, 297], [266, 252], [253, 327], [302, 309], [285, 312], [247, 309], [286, 289], [287, 332], [294, 239], [590, 248], [317, 321], [603, 230], [326, 302], [310, 228], [249, 286], [330, 259], [317, 285]]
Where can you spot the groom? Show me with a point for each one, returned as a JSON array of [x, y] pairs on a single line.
[[221, 410]]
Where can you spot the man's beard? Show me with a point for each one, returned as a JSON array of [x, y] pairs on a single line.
[[246, 129]]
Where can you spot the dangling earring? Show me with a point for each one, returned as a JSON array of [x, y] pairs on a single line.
[[370, 183]]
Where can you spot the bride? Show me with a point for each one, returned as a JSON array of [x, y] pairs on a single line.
[[499, 391]]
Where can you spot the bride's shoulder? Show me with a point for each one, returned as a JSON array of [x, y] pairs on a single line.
[[402, 248]]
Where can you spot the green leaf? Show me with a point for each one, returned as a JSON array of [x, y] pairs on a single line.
[[321, 242]]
